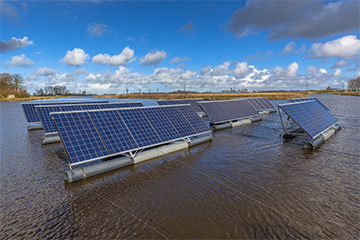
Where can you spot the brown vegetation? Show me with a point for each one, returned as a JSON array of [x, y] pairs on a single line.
[[213, 96]]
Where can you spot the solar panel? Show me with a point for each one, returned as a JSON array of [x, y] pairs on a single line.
[[192, 102], [261, 104], [45, 118], [43, 112], [79, 136], [225, 111], [124, 130], [32, 116], [113, 130], [310, 116], [308, 99]]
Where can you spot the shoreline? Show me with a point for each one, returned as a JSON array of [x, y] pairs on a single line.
[[206, 96]]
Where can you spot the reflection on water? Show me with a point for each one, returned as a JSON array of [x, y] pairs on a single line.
[[245, 184]]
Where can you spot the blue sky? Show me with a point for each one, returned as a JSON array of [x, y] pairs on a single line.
[[108, 46]]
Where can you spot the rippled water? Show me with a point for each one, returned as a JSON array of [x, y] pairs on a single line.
[[245, 184]]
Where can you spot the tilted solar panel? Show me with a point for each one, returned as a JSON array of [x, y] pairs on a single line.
[[261, 104], [32, 116], [308, 99], [45, 118], [79, 136], [124, 130], [192, 102], [113, 130], [224, 111], [310, 116], [267, 103]]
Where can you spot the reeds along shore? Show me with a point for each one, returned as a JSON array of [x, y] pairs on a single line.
[[213, 96]]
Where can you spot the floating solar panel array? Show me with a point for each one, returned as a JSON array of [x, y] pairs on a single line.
[[310, 116], [32, 116], [308, 99], [227, 111], [97, 134], [192, 102], [48, 124], [261, 104]]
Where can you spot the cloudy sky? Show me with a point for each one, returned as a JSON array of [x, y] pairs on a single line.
[[108, 46]]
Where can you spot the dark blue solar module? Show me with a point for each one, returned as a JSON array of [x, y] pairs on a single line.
[[192, 102], [135, 104], [79, 136], [193, 118], [161, 124], [139, 127], [32, 116], [261, 104], [113, 131], [44, 115], [308, 99], [224, 111], [47, 122], [180, 123], [124, 130], [310, 116]]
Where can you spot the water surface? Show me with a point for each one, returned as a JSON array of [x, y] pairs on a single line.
[[245, 184]]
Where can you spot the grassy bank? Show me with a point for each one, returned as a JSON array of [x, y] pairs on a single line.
[[205, 96], [213, 96]]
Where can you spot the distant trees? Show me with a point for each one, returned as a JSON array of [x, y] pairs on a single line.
[[12, 85], [56, 90], [354, 84]]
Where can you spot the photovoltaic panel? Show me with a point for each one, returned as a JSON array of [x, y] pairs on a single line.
[[193, 118], [180, 123], [261, 104], [124, 130], [32, 116], [44, 115], [267, 103], [162, 125], [45, 118], [308, 99], [192, 102], [310, 116], [138, 125], [135, 104], [224, 111], [79, 136], [113, 130]]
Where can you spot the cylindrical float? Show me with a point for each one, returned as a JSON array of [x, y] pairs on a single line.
[[80, 173], [200, 140]]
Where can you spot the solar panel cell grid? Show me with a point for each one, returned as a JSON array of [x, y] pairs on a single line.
[[310, 116], [161, 124], [197, 123], [113, 131], [140, 127], [79, 136], [180, 123], [44, 115]]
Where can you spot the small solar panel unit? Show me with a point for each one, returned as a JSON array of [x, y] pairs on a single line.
[[308, 99], [48, 124], [310, 116], [227, 111], [192, 102], [32, 116], [261, 104], [97, 134]]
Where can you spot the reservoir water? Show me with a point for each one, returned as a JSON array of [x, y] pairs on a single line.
[[248, 183]]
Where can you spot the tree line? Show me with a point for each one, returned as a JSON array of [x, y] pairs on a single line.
[[56, 90], [354, 84], [12, 85]]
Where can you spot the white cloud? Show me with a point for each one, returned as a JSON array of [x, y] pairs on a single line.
[[20, 61], [14, 43], [179, 59], [45, 72], [289, 48], [76, 57], [347, 47], [121, 59], [153, 58], [97, 29]]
